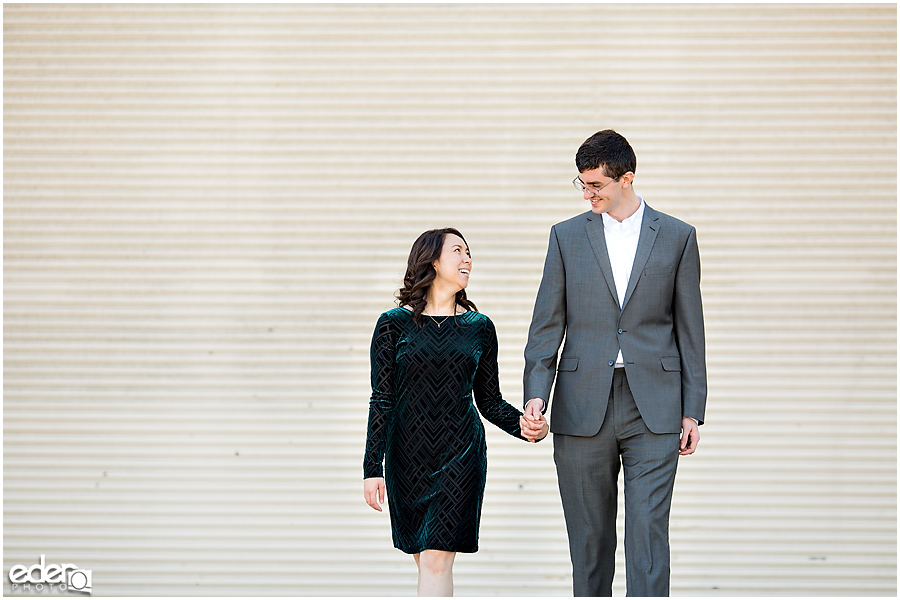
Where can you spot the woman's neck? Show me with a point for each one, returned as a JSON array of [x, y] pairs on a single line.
[[440, 302]]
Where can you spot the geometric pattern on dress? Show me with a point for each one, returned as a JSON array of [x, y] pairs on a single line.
[[426, 384]]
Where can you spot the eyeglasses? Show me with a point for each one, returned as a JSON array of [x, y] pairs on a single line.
[[582, 186]]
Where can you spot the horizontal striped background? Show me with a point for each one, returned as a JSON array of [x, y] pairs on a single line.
[[206, 207]]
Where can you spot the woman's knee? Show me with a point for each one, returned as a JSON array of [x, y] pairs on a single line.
[[436, 561]]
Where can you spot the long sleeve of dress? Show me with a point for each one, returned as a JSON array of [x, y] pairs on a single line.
[[488, 399], [381, 358]]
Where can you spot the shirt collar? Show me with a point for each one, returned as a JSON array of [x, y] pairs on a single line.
[[631, 224]]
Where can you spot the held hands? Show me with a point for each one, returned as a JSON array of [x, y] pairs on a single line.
[[533, 424], [373, 490]]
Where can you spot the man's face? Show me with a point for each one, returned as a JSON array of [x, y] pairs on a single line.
[[604, 193]]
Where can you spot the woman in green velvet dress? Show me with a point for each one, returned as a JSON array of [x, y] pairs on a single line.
[[431, 357]]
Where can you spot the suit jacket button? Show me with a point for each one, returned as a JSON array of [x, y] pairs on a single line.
[[620, 331], [612, 362]]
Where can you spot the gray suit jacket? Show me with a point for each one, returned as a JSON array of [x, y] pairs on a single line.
[[660, 328]]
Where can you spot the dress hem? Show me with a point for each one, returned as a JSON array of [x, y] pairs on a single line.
[[441, 549]]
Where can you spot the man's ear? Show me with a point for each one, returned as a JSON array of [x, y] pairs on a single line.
[[628, 177]]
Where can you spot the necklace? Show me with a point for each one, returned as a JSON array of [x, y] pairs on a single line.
[[439, 323]]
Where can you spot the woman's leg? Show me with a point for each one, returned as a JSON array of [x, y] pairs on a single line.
[[435, 572]]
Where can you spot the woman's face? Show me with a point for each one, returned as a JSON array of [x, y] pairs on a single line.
[[455, 264]]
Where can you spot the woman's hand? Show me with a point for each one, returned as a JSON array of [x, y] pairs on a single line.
[[373, 490], [533, 430]]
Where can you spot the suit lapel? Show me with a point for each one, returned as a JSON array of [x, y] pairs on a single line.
[[594, 228], [649, 229]]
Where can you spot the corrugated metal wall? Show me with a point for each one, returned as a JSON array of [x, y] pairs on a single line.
[[207, 207]]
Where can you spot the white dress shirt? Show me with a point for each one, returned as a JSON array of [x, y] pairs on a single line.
[[621, 245]]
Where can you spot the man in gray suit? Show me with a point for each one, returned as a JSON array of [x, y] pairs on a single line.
[[621, 282]]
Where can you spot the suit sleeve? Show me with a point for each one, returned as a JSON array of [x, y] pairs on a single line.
[[488, 399], [689, 331], [548, 325], [381, 403]]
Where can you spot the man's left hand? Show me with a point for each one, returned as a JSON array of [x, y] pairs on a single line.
[[690, 436]]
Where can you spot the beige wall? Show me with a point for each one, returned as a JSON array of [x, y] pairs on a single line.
[[206, 207]]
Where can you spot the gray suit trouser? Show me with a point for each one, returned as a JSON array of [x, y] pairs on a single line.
[[588, 470]]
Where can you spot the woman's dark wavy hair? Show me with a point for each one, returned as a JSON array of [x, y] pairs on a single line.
[[420, 273]]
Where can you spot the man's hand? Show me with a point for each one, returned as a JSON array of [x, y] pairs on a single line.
[[373, 490], [533, 430], [533, 424], [533, 409], [690, 436]]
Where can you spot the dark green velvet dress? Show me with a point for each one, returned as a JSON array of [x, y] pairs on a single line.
[[423, 422]]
